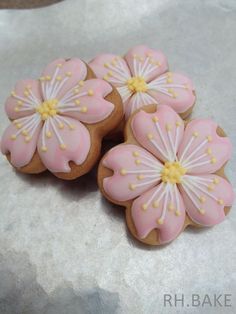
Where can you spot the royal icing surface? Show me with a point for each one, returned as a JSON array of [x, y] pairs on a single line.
[[142, 78], [48, 116], [171, 173]]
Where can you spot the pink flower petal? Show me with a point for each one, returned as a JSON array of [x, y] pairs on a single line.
[[24, 99], [61, 77], [21, 147], [112, 68], [135, 171], [62, 140], [91, 107], [136, 101], [160, 132], [146, 62], [160, 208], [173, 89], [202, 150], [205, 197]]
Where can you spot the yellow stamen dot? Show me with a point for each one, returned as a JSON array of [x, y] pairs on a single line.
[[137, 84], [59, 65], [213, 160], [49, 134], [58, 78], [71, 126], [216, 181], [135, 154], [195, 134], [106, 65], [62, 146], [155, 119], [113, 62], [26, 93], [27, 139], [16, 109], [174, 95], [138, 161], [24, 132], [160, 221], [209, 151], [20, 103], [42, 79], [84, 109], [150, 136], [172, 172], [109, 73], [140, 177], [13, 93], [209, 138], [13, 137], [201, 211], [202, 199], [132, 187], [155, 204], [19, 125], [44, 149], [177, 213], [47, 109], [168, 127], [220, 202], [81, 83], [76, 91], [210, 187], [61, 126], [68, 74], [48, 77], [90, 92], [144, 206], [44, 116], [123, 172], [169, 80], [178, 123], [171, 206], [77, 102], [105, 77]]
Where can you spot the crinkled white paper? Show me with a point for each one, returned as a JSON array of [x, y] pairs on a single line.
[[63, 248]]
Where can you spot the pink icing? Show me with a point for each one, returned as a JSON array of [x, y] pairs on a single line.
[[172, 225], [77, 147], [123, 156], [59, 136], [162, 87], [162, 204]]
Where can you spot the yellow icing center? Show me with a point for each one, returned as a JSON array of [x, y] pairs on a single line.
[[137, 84], [172, 172], [48, 109]]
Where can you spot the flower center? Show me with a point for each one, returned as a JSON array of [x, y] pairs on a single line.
[[172, 172], [137, 84], [48, 109]]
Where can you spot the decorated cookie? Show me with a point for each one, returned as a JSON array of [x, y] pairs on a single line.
[[142, 78], [168, 174], [58, 121]]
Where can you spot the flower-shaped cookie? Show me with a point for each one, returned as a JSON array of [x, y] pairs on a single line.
[[168, 175], [142, 78], [59, 120]]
